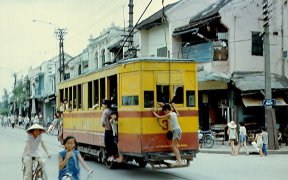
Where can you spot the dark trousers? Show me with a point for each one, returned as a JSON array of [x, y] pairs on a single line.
[[109, 143], [264, 149]]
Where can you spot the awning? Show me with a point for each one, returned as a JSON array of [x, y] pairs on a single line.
[[185, 31], [211, 85], [250, 101], [255, 81], [213, 76], [212, 80], [193, 25]]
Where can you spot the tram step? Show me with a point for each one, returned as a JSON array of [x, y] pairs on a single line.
[[169, 156]]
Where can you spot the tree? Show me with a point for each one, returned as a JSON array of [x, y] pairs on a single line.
[[19, 94], [4, 109]]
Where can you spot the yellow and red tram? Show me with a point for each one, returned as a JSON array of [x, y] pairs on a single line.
[[138, 85]]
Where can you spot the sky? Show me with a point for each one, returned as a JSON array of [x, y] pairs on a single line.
[[27, 28]]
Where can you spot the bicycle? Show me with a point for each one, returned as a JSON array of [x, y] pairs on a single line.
[[68, 176], [206, 138], [37, 171]]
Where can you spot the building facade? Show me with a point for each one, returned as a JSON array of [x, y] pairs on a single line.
[[225, 39]]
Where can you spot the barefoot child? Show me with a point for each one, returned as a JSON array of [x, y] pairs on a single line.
[[69, 160], [114, 125], [176, 130]]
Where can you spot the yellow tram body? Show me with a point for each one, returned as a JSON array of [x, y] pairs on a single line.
[[138, 83]]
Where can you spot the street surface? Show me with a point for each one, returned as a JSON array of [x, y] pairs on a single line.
[[204, 167]]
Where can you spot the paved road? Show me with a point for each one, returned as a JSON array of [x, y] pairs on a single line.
[[204, 167]]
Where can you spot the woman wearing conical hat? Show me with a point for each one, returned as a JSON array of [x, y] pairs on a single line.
[[232, 133], [34, 139]]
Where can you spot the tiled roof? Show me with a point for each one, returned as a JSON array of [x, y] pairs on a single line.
[[155, 19], [210, 11], [251, 81], [207, 15]]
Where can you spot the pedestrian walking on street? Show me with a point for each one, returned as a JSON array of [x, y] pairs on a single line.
[[265, 141], [242, 138], [12, 120], [69, 160], [232, 134], [258, 142], [34, 139]]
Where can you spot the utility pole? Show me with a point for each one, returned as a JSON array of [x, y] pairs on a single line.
[[270, 119], [131, 49], [59, 33], [15, 79]]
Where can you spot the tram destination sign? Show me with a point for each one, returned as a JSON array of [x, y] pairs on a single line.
[[269, 102]]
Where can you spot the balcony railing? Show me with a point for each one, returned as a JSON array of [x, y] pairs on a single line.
[[205, 52]]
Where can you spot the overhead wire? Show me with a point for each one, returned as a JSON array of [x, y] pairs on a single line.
[[164, 20], [100, 19], [131, 31]]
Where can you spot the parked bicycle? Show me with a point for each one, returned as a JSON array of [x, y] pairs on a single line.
[[206, 138]]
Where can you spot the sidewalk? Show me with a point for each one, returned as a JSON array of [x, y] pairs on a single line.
[[218, 148]]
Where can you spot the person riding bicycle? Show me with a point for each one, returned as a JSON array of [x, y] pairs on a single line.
[[34, 139], [69, 160]]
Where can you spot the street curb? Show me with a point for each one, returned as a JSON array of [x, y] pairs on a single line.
[[211, 151]]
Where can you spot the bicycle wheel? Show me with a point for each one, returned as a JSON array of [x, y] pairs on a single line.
[[208, 141]]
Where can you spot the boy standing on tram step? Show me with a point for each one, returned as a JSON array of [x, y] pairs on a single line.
[[108, 135], [176, 130], [114, 125]]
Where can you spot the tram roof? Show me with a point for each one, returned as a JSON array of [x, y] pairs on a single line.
[[156, 59], [133, 60]]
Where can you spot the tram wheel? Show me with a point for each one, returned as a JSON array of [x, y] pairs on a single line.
[[142, 163], [102, 155], [110, 164]]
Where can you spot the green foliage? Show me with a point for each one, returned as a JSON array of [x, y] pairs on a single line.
[[5, 100], [19, 93], [4, 112]]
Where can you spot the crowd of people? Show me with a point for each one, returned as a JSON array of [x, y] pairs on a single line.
[[259, 143], [20, 121]]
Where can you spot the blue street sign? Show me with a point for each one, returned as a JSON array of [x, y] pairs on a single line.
[[269, 102]]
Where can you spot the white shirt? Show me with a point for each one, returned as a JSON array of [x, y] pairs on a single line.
[[242, 130], [114, 125], [36, 120], [32, 146], [26, 120], [173, 120]]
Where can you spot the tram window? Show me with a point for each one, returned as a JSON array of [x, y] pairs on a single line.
[[148, 99], [102, 89], [162, 93], [61, 95], [79, 99], [66, 93], [112, 80], [74, 97], [178, 95], [70, 98], [96, 92], [90, 94], [190, 98], [130, 100]]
